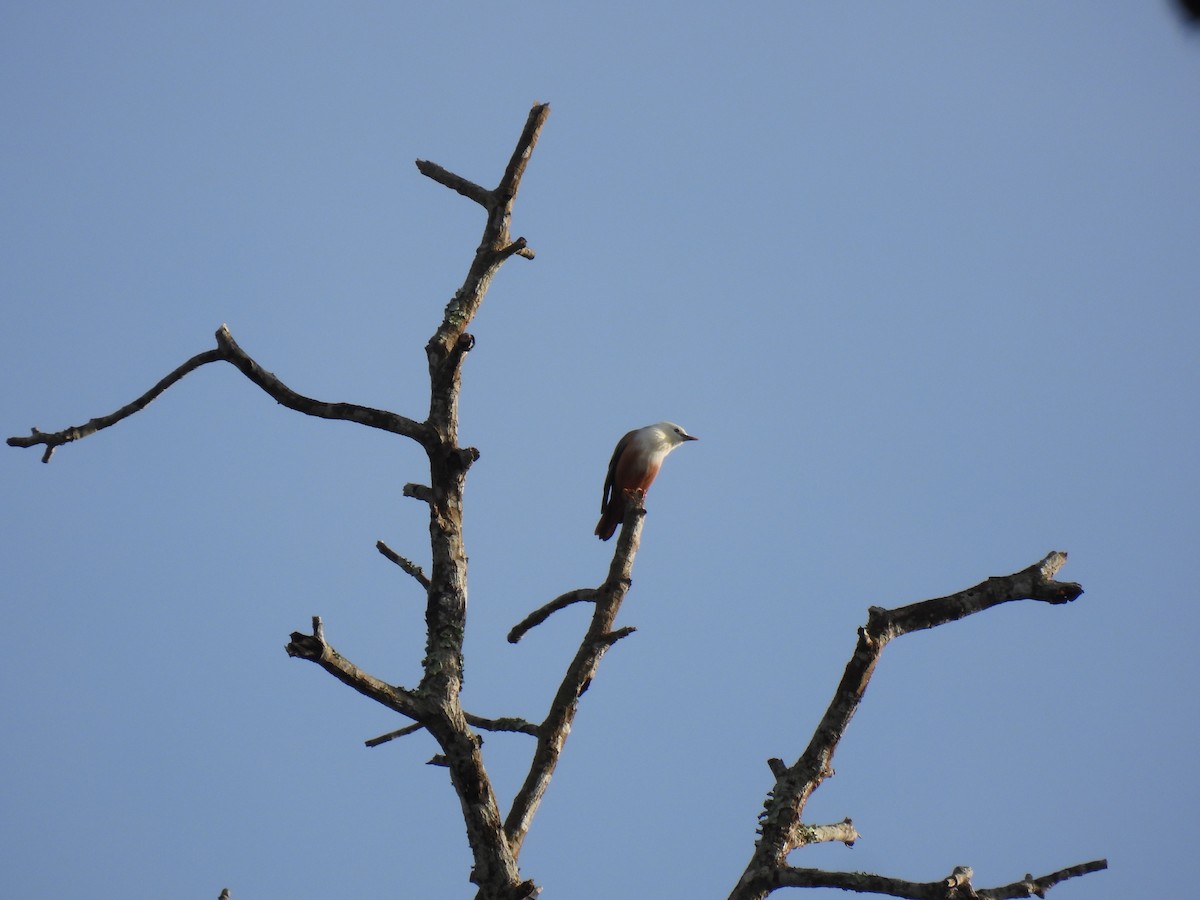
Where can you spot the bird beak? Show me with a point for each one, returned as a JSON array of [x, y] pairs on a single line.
[[690, 437]]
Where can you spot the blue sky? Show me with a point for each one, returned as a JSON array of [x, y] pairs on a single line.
[[922, 277]]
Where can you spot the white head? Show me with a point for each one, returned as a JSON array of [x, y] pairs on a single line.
[[672, 434]]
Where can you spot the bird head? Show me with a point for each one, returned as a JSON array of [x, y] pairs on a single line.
[[673, 434]]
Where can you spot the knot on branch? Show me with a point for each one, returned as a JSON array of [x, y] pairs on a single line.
[[519, 247], [611, 637], [959, 881], [618, 584], [461, 458], [1032, 887]]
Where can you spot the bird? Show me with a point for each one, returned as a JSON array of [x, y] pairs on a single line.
[[633, 466]]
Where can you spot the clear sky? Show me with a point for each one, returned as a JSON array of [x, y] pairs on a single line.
[[923, 277]]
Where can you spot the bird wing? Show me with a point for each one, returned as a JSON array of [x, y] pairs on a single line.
[[610, 478]]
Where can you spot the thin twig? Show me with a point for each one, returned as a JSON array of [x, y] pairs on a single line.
[[540, 615], [392, 735], [509, 724], [54, 440], [314, 648], [407, 565], [445, 177]]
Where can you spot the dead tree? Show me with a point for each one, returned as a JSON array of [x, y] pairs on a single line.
[[496, 837]]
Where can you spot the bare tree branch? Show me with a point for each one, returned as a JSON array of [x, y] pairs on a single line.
[[1037, 887], [407, 565], [350, 412], [418, 492], [227, 350], [954, 886], [392, 735], [446, 178], [782, 827], [507, 723], [555, 728], [540, 615], [314, 648], [1033, 583], [843, 832], [56, 439], [495, 247]]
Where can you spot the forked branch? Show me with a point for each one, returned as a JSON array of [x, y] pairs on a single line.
[[783, 829], [496, 246], [554, 729]]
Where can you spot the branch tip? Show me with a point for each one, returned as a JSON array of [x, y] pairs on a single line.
[[418, 492], [611, 637], [392, 735], [960, 877], [456, 183]]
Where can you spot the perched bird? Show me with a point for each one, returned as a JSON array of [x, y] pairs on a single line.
[[634, 464]]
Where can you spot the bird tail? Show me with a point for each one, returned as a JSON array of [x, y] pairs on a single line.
[[613, 514]]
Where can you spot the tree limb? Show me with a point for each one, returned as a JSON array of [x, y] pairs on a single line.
[[1034, 583], [505, 723], [314, 648], [782, 827], [56, 439], [954, 886], [496, 245], [540, 615], [405, 564], [553, 732], [392, 735], [227, 350], [446, 178], [843, 832], [1037, 887], [350, 412]]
